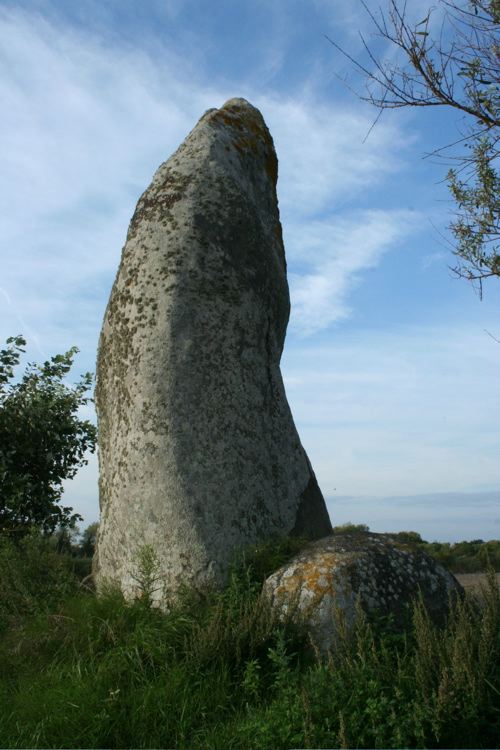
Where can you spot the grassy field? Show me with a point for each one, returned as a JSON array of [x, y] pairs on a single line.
[[80, 671], [475, 583]]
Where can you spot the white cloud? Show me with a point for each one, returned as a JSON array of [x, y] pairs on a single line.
[[350, 20], [388, 415], [82, 493], [84, 127], [431, 259], [323, 160], [85, 123], [414, 410], [336, 252], [443, 517]]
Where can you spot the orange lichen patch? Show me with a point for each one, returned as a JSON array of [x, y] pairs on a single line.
[[248, 119], [262, 132], [226, 117], [314, 576]]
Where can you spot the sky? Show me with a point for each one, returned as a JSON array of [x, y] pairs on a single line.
[[390, 363]]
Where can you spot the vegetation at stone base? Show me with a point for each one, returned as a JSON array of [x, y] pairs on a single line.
[[86, 546], [76, 546], [42, 440], [220, 672], [447, 57], [458, 557], [39, 570], [34, 578], [260, 560]]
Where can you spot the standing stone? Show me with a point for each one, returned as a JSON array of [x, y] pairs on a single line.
[[198, 452]]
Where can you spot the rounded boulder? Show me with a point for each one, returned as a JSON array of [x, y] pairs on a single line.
[[338, 573]]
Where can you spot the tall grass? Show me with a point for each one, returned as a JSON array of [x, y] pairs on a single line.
[[33, 577], [221, 672]]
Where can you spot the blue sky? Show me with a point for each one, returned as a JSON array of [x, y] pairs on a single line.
[[390, 372]]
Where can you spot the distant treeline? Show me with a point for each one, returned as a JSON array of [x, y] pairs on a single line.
[[458, 557]]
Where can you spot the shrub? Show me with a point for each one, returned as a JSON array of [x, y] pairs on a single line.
[[33, 577], [219, 671], [350, 527], [261, 560]]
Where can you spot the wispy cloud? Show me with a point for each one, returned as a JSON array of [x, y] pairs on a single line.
[[83, 127], [388, 418], [323, 160], [333, 254], [445, 517], [85, 122], [404, 411], [325, 167], [82, 494], [351, 26]]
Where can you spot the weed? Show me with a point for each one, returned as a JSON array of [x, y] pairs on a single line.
[[222, 672], [148, 575]]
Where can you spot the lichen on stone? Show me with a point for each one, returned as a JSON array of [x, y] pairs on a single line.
[[196, 430], [366, 569]]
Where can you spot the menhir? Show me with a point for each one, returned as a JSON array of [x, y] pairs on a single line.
[[198, 452]]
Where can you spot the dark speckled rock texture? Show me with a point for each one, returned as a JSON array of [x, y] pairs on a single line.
[[335, 572], [198, 451]]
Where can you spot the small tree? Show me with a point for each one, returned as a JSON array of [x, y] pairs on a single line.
[[64, 540], [42, 440], [454, 64], [88, 540], [148, 576]]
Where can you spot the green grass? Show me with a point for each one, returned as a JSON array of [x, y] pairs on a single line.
[[33, 578], [222, 673]]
